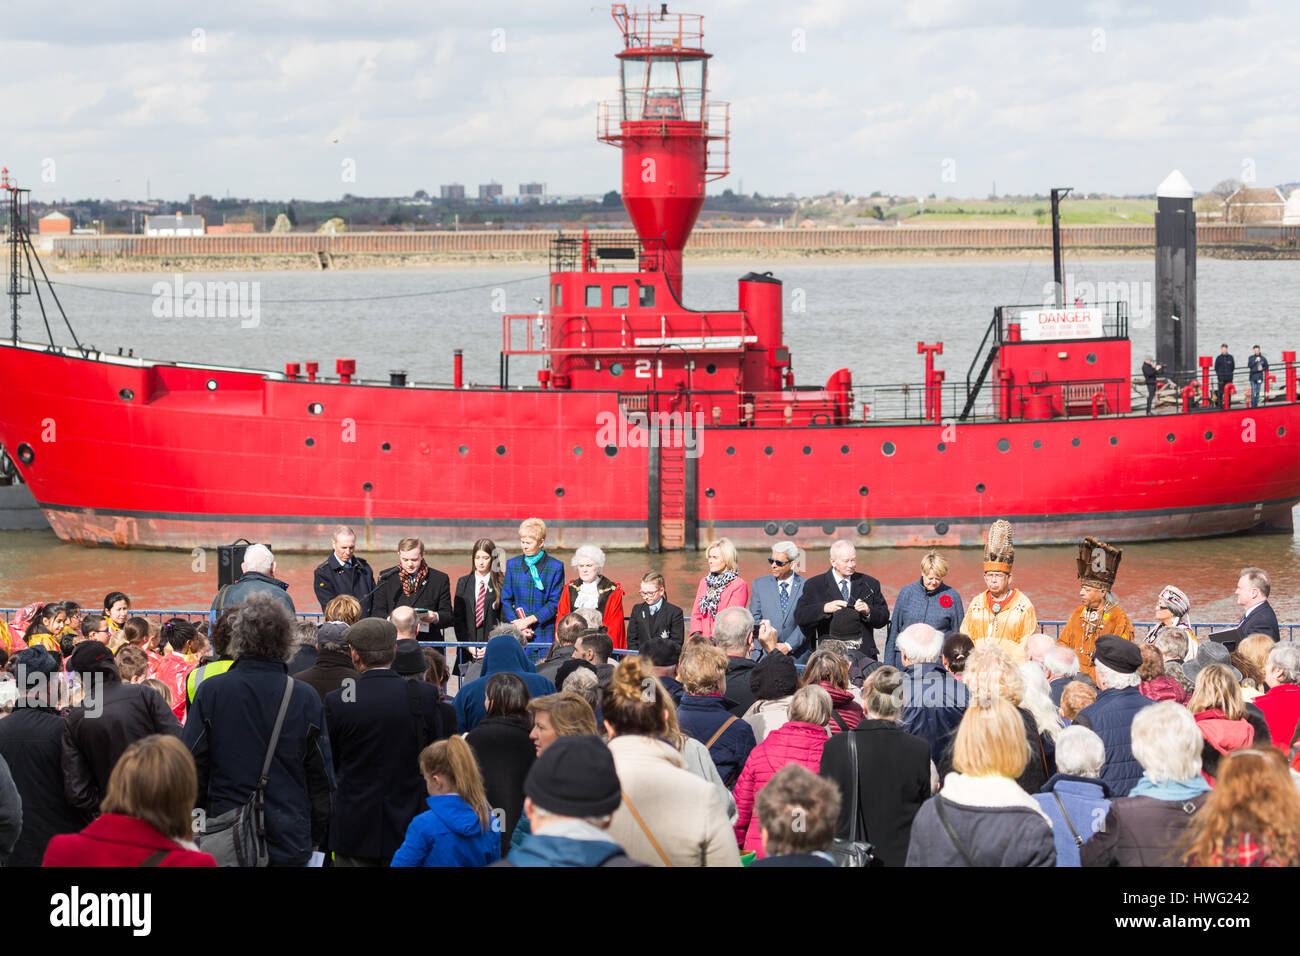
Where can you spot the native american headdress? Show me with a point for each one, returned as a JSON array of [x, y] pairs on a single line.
[[1098, 563], [999, 553]]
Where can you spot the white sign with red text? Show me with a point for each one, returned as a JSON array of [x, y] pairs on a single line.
[[1037, 325]]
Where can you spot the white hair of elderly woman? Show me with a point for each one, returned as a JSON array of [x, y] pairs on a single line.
[[921, 643], [1062, 661], [1037, 699], [589, 552], [1286, 658], [1108, 679], [1166, 742], [811, 704], [1080, 752], [591, 615]]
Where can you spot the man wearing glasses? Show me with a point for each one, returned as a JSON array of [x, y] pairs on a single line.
[[774, 598], [654, 616]]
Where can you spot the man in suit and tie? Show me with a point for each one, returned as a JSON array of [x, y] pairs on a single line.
[[775, 597], [842, 591], [1252, 595], [345, 572], [654, 616]]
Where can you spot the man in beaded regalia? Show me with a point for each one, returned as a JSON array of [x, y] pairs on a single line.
[[1099, 613], [1000, 613]]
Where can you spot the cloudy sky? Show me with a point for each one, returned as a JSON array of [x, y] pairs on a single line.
[[299, 98]]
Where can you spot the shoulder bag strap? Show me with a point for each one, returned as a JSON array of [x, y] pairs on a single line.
[[943, 818], [154, 859], [421, 726], [646, 830], [719, 732], [1295, 738], [1078, 840], [844, 728], [1042, 754], [853, 769], [275, 733]]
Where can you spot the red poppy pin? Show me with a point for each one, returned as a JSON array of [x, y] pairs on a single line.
[[945, 600]]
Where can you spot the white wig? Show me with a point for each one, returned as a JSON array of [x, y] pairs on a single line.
[[589, 552]]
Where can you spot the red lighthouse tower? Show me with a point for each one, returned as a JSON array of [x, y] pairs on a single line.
[[673, 139]]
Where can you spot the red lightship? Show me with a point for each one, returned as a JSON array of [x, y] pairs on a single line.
[[651, 424]]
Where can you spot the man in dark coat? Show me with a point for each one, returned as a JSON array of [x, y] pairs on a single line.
[[31, 742], [567, 632], [1258, 366], [663, 655], [1224, 366], [1111, 716], [842, 589], [333, 660], [257, 577], [230, 723], [377, 727], [655, 616], [413, 583], [110, 718], [345, 572], [1150, 369], [1257, 614], [934, 702], [733, 633]]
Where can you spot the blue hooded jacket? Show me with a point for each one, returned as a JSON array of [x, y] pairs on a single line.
[[448, 834], [503, 656]]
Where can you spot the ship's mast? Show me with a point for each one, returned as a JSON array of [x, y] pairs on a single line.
[[1059, 193], [19, 279]]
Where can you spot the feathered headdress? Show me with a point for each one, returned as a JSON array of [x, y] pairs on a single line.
[[1098, 563], [999, 553]]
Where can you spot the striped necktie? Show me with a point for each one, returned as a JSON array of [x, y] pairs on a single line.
[[844, 589], [785, 597], [478, 606]]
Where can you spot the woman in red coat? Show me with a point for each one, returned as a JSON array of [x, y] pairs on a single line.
[[592, 589], [146, 813], [800, 740]]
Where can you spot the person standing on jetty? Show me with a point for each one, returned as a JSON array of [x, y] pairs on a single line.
[[1099, 613], [1000, 613]]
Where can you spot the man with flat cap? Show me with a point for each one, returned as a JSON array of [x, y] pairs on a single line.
[[1116, 662], [1100, 613], [378, 724], [333, 660]]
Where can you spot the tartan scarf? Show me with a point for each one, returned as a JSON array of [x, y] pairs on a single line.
[[532, 568], [716, 583], [413, 582]]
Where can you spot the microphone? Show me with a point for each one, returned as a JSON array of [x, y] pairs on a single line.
[[380, 580]]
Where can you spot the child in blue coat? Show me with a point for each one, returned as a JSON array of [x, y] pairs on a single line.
[[458, 829]]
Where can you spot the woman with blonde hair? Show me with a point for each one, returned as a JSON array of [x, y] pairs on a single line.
[[458, 827], [928, 600], [1251, 658], [1251, 817], [992, 671], [1220, 716], [982, 817], [343, 607], [831, 673], [669, 816], [146, 815], [591, 589], [706, 715], [565, 714], [722, 587]]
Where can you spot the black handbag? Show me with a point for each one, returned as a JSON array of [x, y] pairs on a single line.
[[238, 837], [853, 852]]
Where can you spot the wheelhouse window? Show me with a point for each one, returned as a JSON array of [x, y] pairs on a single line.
[[647, 297], [557, 296], [619, 299], [593, 297]]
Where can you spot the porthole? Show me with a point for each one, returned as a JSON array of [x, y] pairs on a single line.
[[577, 449], [844, 449], [941, 527], [771, 528], [1037, 443], [315, 408], [501, 449], [1074, 442], [731, 450], [1281, 430], [310, 442], [1004, 445], [710, 368], [367, 487], [864, 528], [1091, 358], [790, 528], [807, 449], [828, 529], [125, 394], [386, 447], [25, 453], [979, 488], [941, 446], [1209, 436], [863, 491], [708, 492], [559, 492], [616, 368], [888, 449], [464, 450], [611, 451], [212, 385], [1114, 440], [1170, 437], [767, 450]]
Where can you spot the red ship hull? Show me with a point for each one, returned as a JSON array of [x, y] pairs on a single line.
[[182, 464]]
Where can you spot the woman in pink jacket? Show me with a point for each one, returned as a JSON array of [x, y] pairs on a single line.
[[722, 587], [800, 740]]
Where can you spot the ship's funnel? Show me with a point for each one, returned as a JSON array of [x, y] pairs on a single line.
[[1175, 298]]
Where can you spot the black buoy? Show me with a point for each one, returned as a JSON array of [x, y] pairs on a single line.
[[1175, 292]]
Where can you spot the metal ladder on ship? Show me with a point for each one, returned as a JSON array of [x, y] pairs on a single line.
[[674, 507]]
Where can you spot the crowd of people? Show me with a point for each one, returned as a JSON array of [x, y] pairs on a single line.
[[763, 725]]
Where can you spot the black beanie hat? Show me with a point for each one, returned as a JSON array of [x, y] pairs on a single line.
[[571, 665], [575, 777], [773, 677]]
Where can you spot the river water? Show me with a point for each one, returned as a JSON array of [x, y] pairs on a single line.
[[866, 316]]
